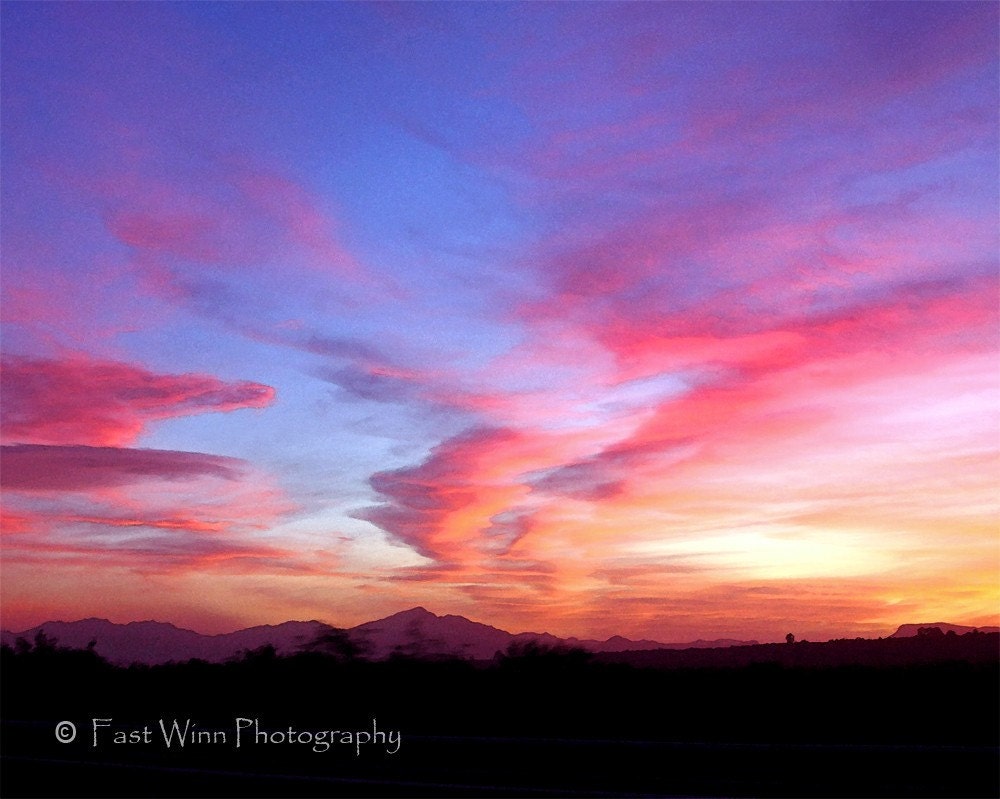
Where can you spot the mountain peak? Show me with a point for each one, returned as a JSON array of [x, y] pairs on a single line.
[[418, 612], [152, 624]]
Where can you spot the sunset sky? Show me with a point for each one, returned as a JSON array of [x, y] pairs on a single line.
[[667, 320]]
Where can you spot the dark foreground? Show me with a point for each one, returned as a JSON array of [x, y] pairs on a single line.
[[535, 723]]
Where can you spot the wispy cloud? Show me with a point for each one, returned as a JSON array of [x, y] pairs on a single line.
[[34, 467], [668, 320], [82, 400]]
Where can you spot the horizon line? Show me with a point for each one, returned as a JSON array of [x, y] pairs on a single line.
[[734, 637]]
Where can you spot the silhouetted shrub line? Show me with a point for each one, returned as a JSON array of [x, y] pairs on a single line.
[[902, 717]]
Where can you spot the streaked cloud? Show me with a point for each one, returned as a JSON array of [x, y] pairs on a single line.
[[81, 400], [664, 320]]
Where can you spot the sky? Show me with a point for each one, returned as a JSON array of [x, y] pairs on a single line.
[[667, 320]]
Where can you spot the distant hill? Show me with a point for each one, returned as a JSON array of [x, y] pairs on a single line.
[[910, 630], [420, 633], [415, 633], [975, 647], [160, 642]]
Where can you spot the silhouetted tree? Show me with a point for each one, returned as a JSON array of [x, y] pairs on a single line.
[[533, 655], [261, 654], [790, 639], [336, 643]]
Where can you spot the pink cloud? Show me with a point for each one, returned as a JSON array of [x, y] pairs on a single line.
[[235, 216], [172, 523], [157, 554], [35, 467], [183, 235], [146, 511], [506, 529], [420, 499], [15, 523], [298, 213], [81, 400], [77, 495], [637, 101], [811, 360]]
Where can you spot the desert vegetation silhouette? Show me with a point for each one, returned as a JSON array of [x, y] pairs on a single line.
[[916, 716]]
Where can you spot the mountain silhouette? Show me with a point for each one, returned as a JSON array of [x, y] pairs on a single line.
[[413, 633], [418, 632], [159, 642], [910, 630]]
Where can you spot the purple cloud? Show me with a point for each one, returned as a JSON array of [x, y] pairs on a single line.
[[35, 467]]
